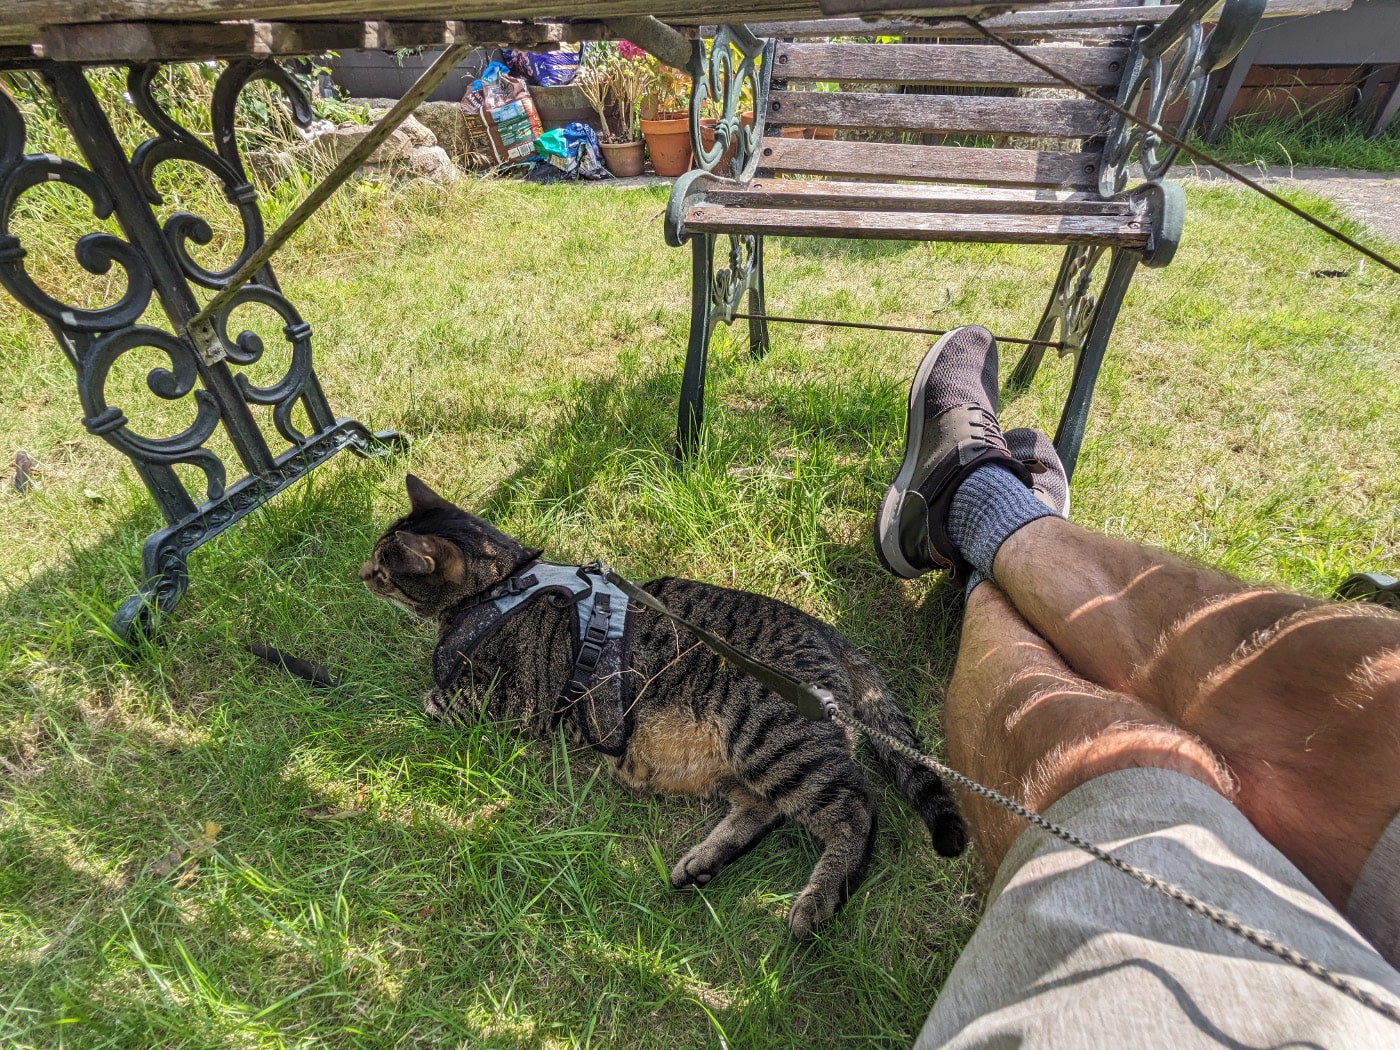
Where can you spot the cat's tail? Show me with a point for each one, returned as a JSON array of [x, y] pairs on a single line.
[[876, 707]]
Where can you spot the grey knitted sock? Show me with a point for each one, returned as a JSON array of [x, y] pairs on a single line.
[[972, 582], [989, 506]]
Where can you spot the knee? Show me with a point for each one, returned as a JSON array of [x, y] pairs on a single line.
[[1064, 735], [1122, 745]]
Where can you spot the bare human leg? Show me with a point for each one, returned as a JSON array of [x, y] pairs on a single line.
[[1019, 720], [1300, 697]]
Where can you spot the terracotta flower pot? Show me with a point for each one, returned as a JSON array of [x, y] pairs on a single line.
[[623, 159], [649, 111], [707, 139], [824, 134], [668, 142]]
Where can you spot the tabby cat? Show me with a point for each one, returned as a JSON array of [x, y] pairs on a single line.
[[691, 725]]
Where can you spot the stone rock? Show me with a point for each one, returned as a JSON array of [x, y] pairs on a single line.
[[269, 166], [418, 135], [448, 124], [374, 105], [432, 163], [341, 141]]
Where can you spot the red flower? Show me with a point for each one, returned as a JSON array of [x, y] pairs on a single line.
[[629, 50]]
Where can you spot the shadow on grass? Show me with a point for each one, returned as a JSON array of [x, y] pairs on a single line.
[[532, 900], [845, 247]]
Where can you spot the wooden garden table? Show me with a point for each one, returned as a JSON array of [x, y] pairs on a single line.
[[56, 39]]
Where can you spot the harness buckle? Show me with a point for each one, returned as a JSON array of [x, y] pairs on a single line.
[[588, 655], [520, 584], [597, 632]]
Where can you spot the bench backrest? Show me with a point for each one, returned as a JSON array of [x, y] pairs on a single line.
[[941, 89]]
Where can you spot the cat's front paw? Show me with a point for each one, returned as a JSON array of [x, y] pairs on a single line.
[[696, 868], [809, 911], [435, 704]]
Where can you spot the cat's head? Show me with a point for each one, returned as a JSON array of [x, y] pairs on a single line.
[[437, 555]]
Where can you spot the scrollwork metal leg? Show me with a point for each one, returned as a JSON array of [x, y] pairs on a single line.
[[1083, 321], [1055, 309], [205, 366], [758, 327], [715, 295], [723, 74], [1070, 434]]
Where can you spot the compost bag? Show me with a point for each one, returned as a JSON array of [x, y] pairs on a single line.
[[501, 117], [554, 68]]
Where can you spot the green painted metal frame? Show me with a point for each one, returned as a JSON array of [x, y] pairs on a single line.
[[735, 59]]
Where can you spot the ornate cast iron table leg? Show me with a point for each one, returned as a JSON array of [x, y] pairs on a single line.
[[156, 260]]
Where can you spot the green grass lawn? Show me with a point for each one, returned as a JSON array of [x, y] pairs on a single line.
[[483, 892], [1308, 139]]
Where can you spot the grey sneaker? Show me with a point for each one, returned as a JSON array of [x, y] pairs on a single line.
[[1036, 452], [952, 431]]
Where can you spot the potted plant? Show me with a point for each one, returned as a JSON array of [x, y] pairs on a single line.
[[664, 113], [613, 84]]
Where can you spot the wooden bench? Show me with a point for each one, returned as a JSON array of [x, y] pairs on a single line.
[[1097, 189]]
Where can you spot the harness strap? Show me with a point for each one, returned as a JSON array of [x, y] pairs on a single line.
[[595, 637], [600, 611], [589, 650]]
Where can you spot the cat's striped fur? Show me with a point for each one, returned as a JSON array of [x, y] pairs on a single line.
[[701, 727]]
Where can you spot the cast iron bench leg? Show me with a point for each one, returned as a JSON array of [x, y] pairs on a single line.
[[692, 408], [1070, 435], [715, 295], [1084, 322], [758, 329], [1029, 365]]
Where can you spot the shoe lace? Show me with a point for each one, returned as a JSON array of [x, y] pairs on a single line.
[[986, 421]]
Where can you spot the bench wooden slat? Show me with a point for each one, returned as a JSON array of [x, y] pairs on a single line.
[[865, 196], [997, 228], [1027, 22], [1071, 118], [1000, 167], [969, 64]]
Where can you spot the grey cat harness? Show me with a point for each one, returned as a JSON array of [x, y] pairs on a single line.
[[600, 621]]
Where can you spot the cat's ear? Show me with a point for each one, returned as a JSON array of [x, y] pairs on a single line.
[[421, 498], [418, 554], [425, 555]]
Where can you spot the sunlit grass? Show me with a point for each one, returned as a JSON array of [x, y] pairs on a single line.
[[1309, 140], [530, 340]]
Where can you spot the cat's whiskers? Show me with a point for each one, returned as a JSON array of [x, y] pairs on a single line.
[[412, 612]]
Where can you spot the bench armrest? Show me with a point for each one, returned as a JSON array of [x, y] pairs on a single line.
[[736, 61], [685, 191], [1170, 63]]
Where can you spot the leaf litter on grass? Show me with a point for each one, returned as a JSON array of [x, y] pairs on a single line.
[[184, 857]]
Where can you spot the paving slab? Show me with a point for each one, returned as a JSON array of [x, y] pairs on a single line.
[[1372, 198]]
